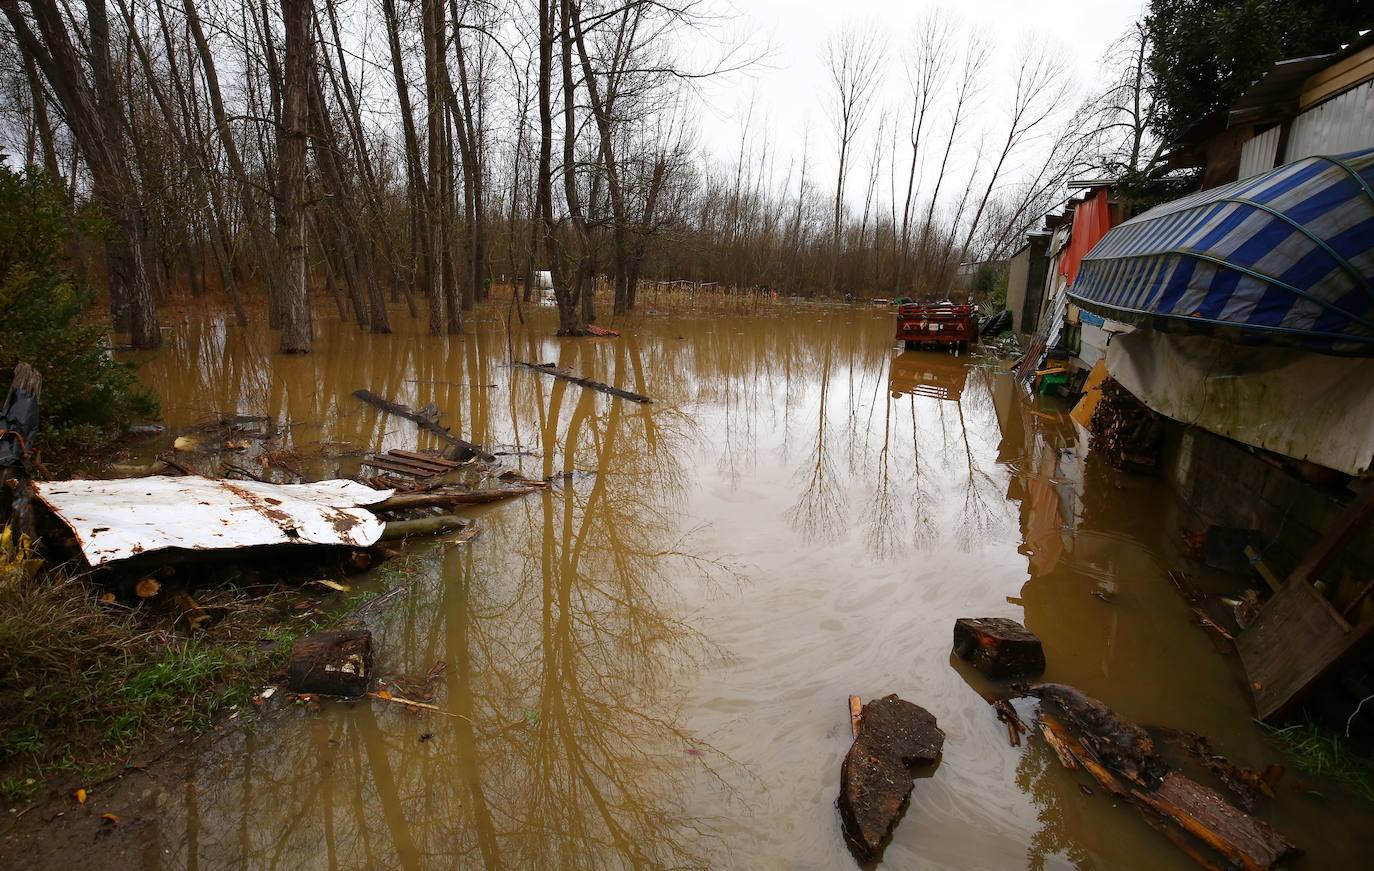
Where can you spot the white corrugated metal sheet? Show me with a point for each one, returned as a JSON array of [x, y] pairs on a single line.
[[1341, 124], [114, 520], [1257, 155]]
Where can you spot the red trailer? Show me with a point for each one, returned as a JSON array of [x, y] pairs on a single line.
[[937, 324]]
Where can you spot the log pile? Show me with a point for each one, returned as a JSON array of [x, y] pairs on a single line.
[[1124, 430]]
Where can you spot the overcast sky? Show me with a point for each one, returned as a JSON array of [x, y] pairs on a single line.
[[789, 87]]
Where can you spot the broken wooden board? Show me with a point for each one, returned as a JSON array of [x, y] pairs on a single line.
[[118, 519], [337, 663], [1297, 637], [1092, 394], [1300, 636], [1198, 820], [569, 375], [410, 463]]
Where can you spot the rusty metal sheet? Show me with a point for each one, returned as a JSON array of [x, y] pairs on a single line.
[[117, 519]]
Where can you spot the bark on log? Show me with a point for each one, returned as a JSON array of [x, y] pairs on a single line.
[[875, 779], [335, 663], [567, 375], [396, 529], [1122, 746], [1198, 820], [1245, 841], [460, 449], [998, 647]]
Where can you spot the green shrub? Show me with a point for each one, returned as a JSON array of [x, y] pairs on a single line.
[[88, 396]]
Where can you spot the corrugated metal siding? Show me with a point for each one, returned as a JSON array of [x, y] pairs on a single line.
[[1257, 155], [1342, 124]]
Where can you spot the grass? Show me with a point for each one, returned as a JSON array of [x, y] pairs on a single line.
[[1317, 750], [82, 683]]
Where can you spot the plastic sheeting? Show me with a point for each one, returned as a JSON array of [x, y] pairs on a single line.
[[117, 519], [1307, 406]]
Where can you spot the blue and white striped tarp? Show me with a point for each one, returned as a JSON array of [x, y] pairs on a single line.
[[1287, 257]]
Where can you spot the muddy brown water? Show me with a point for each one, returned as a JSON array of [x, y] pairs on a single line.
[[648, 665]]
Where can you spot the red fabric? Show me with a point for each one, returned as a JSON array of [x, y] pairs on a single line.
[[1091, 221]]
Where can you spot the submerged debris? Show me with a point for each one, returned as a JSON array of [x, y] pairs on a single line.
[[569, 375], [894, 735], [998, 647], [1121, 757], [427, 419], [337, 663]]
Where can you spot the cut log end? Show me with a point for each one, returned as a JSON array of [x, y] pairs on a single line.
[[998, 647], [337, 663]]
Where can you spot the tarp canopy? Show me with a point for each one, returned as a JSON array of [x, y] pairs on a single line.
[[1307, 406], [117, 519], [1285, 257]]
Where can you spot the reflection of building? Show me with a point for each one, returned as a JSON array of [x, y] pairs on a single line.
[[917, 373]]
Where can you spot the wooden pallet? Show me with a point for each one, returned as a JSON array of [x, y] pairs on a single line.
[[410, 463]]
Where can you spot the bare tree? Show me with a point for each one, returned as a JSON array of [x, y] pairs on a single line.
[[852, 57], [296, 327], [926, 65], [1039, 92]]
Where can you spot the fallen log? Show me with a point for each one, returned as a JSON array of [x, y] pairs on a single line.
[[875, 778], [1245, 841], [1247, 785], [337, 663], [1120, 744], [396, 529], [1120, 757], [1058, 741], [402, 501], [1079, 753], [569, 375], [459, 449]]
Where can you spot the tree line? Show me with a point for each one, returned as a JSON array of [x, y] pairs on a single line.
[[383, 154]]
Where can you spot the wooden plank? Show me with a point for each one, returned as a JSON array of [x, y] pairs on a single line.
[[419, 467], [1359, 511], [424, 458], [1247, 842], [393, 466], [1058, 739], [1296, 638], [1299, 635]]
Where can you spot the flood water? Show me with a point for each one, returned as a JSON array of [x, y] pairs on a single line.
[[648, 665]]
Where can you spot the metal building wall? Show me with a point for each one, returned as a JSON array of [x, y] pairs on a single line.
[[1344, 123], [1257, 155]]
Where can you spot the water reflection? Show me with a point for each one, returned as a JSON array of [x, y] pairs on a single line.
[[646, 666]]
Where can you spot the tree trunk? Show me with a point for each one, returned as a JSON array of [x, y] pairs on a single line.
[[296, 332]]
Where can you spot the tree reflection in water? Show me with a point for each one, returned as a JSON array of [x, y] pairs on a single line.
[[560, 742]]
